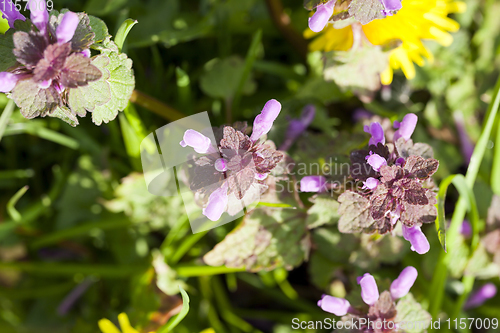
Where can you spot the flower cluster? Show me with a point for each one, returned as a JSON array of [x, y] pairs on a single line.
[[396, 186], [48, 69], [382, 309], [235, 168]]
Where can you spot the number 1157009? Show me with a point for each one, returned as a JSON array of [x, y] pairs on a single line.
[[32, 5]]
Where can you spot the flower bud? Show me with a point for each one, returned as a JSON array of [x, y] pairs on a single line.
[[416, 237], [402, 285], [313, 184], [264, 121], [198, 141], [377, 133], [335, 305], [406, 127], [369, 289], [320, 19]]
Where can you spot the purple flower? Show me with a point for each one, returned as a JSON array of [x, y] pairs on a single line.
[[376, 161], [298, 126], [416, 237], [466, 229], [371, 183], [10, 13], [391, 6], [8, 81], [70, 300], [466, 144], [402, 285], [66, 30], [217, 203], [406, 127], [313, 184], [220, 165], [40, 17], [264, 121], [480, 296], [200, 143], [377, 133], [369, 289], [320, 19], [335, 305]]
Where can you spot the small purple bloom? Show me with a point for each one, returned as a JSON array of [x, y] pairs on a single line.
[[66, 30], [402, 285], [261, 176], [406, 127], [220, 165], [480, 296], [217, 203], [371, 183], [369, 289], [86, 53], [416, 237], [298, 126], [73, 297], [320, 19], [40, 16], [7, 81], [335, 305], [466, 229], [200, 143], [10, 13], [313, 184], [376, 161], [264, 121], [377, 133], [400, 161], [391, 6], [466, 144]]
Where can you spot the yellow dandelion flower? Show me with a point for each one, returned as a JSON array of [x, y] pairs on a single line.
[[106, 326], [417, 20]]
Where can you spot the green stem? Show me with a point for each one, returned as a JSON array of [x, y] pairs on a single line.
[[154, 105], [6, 114]]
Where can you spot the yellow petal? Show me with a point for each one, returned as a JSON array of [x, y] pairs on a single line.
[[386, 76], [125, 324], [107, 326]]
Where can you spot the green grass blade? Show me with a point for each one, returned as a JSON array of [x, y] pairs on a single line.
[[4, 118], [177, 319], [123, 31], [11, 209]]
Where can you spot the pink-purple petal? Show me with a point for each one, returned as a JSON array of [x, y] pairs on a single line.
[[377, 133], [217, 203], [10, 13], [480, 296], [376, 161], [264, 121], [335, 305], [200, 143], [402, 285], [39, 15], [7, 81], [406, 127], [320, 19], [371, 183], [369, 289], [313, 184], [416, 237], [66, 30]]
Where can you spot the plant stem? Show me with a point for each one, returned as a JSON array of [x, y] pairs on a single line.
[[154, 105]]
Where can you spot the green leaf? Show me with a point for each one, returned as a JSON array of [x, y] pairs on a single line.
[[166, 277], [99, 28], [123, 31], [324, 211], [354, 213], [65, 114], [263, 241], [481, 266], [7, 58], [357, 70], [173, 322], [222, 77], [410, 311], [11, 209]]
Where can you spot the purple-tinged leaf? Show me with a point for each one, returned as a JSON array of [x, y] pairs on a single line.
[[29, 48], [78, 71], [354, 213], [52, 63], [83, 37], [381, 202], [421, 168], [34, 101], [407, 148]]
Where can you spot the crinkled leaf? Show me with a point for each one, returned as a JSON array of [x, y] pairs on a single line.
[[7, 58], [121, 81], [381, 202], [29, 48], [263, 241], [410, 311], [366, 11], [420, 167], [354, 212], [406, 149], [52, 63], [65, 114], [99, 28], [83, 37], [357, 70], [384, 308], [324, 211], [78, 71], [97, 93], [221, 78], [34, 101]]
